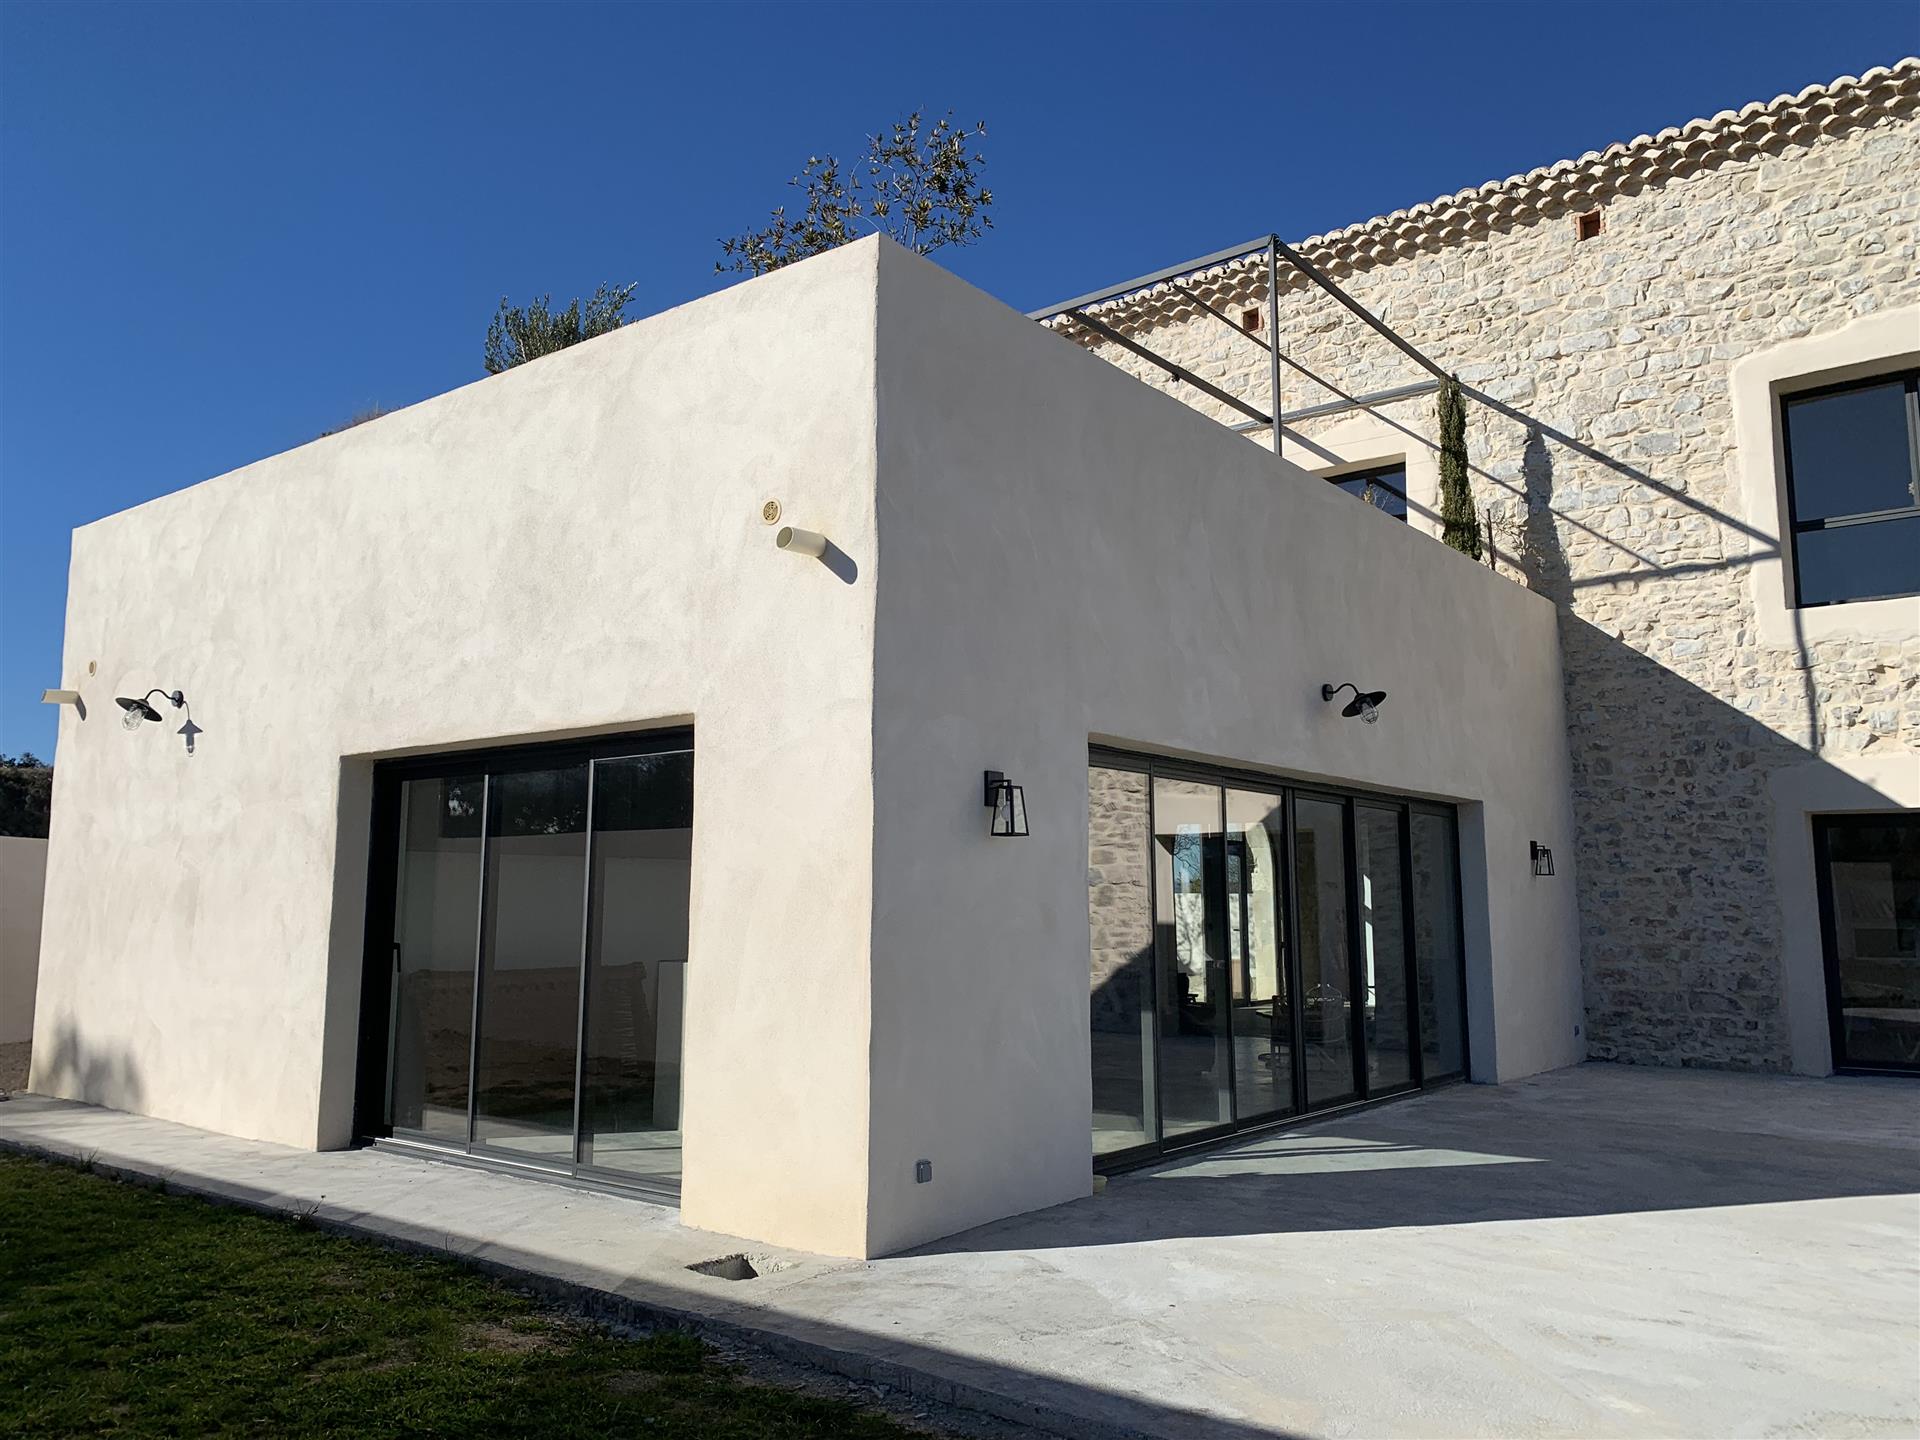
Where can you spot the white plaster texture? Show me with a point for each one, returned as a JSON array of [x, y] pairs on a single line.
[[1069, 556], [1033, 551], [573, 546]]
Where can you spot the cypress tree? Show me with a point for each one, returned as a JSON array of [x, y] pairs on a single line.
[[1460, 525]]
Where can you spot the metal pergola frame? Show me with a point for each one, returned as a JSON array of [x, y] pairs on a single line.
[[1276, 250]]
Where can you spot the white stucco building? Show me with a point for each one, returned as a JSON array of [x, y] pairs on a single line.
[[543, 809]]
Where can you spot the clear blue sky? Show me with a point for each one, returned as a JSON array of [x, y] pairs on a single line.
[[226, 228]]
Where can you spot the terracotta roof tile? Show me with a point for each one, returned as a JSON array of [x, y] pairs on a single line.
[[1844, 104]]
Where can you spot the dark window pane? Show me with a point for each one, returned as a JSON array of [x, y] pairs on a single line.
[[1871, 561], [637, 964], [1849, 452], [1256, 954], [436, 923], [1436, 946], [1120, 970], [1385, 489], [1189, 867], [1873, 939], [1326, 1002], [1383, 949], [530, 961]]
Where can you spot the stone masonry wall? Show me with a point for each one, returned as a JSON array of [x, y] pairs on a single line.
[[1615, 493]]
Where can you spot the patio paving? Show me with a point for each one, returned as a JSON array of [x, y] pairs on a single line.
[[1603, 1251]]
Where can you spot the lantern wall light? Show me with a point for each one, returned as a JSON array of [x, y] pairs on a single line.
[[1542, 858], [1008, 802], [1365, 704], [139, 710]]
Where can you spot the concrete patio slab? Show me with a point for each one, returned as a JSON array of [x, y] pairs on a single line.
[[1599, 1252]]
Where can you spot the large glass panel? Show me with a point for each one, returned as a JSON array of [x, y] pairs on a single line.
[[1190, 937], [436, 920], [1387, 1021], [1872, 561], [1256, 954], [1436, 946], [637, 964], [1873, 936], [1848, 452], [1120, 974], [1326, 1004], [530, 962]]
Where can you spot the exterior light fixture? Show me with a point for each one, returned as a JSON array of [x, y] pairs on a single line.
[[1542, 858], [139, 710], [1365, 703], [1008, 802]]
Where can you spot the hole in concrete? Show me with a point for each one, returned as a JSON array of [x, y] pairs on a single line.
[[727, 1267]]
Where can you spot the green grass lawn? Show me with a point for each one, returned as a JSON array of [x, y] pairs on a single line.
[[128, 1312]]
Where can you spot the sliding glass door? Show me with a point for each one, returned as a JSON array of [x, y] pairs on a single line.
[[1261, 950], [528, 922]]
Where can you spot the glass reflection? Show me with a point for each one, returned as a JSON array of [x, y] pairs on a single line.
[[1256, 954], [1386, 1017], [436, 922], [530, 962], [637, 964], [1120, 975], [1190, 943], [1873, 937], [1326, 1007], [1436, 946]]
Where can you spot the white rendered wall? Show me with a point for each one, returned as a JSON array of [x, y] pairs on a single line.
[[1072, 555], [23, 877], [575, 546]]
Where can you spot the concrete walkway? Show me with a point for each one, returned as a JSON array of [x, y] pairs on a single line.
[[1600, 1252]]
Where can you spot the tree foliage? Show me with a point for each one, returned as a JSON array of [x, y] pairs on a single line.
[[1460, 523], [917, 183], [517, 335], [26, 795]]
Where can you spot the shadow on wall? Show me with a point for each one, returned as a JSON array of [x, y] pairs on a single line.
[[80, 1069], [1680, 919]]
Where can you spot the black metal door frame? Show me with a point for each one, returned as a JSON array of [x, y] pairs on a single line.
[[374, 1061], [1151, 768]]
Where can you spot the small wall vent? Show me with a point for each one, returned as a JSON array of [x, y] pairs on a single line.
[[1586, 225], [1250, 320]]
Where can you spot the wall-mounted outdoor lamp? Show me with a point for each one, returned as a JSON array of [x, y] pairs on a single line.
[[139, 710], [1542, 858], [1365, 703], [1008, 802]]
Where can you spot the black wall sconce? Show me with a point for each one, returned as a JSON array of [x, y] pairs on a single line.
[[1542, 858], [139, 710], [1008, 802], [1365, 703]]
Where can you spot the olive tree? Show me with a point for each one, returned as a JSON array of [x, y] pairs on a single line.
[[918, 183]]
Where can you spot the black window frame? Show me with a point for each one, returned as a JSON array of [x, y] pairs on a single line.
[[373, 1059], [1909, 379], [1372, 474], [1228, 777], [1823, 828]]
